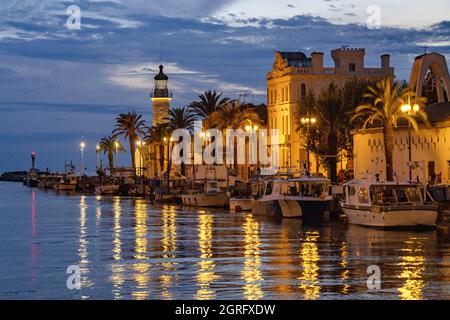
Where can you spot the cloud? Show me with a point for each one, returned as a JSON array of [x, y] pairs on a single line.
[[107, 67]]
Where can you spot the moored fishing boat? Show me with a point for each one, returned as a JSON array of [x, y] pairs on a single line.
[[67, 183], [212, 196], [107, 189], [389, 204], [305, 197]]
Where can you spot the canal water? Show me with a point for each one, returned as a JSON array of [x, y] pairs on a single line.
[[126, 248]]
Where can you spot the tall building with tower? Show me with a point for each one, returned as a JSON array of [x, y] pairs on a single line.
[[293, 75], [160, 97]]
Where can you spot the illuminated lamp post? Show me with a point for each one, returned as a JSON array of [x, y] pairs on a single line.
[[308, 121]]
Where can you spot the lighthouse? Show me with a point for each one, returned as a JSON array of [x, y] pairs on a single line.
[[160, 97]]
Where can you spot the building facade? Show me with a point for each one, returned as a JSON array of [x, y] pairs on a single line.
[[430, 146], [293, 75]]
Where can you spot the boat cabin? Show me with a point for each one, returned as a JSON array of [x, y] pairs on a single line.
[[367, 194], [299, 187]]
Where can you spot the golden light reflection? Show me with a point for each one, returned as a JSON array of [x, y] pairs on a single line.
[[206, 265], [98, 211], [310, 267], [413, 267], [117, 269], [142, 267], [83, 245], [169, 245], [251, 273], [345, 274]]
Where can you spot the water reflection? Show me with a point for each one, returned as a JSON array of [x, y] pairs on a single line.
[[141, 268], [128, 248], [206, 265], [251, 274], [412, 264], [309, 254], [117, 268], [98, 211], [169, 245], [83, 245], [34, 249], [345, 273]]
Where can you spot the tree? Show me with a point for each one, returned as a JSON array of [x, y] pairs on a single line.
[[313, 136], [209, 102], [353, 95], [384, 107], [232, 115], [180, 118], [130, 125], [155, 136], [111, 146]]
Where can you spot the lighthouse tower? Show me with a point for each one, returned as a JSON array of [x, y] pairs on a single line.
[[160, 97]]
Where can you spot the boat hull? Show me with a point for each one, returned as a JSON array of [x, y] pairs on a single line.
[[107, 190], [65, 187], [237, 204], [392, 218], [311, 210], [269, 208], [205, 200]]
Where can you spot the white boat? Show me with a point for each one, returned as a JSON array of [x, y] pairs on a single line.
[[211, 197], [107, 189], [67, 183], [388, 204], [305, 197], [241, 204]]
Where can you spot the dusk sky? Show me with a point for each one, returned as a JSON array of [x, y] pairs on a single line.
[[60, 86]]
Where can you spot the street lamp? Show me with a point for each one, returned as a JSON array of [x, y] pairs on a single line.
[[97, 150], [308, 121], [410, 111], [82, 146], [168, 141]]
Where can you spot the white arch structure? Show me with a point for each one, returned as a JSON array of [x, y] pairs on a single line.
[[437, 64]]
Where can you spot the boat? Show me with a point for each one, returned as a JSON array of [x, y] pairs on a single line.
[[32, 179], [107, 189], [304, 197], [389, 204], [67, 183], [212, 196]]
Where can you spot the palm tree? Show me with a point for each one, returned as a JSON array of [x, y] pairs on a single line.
[[209, 102], [131, 126], [386, 99], [110, 146], [333, 114], [155, 136], [232, 115], [180, 118]]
